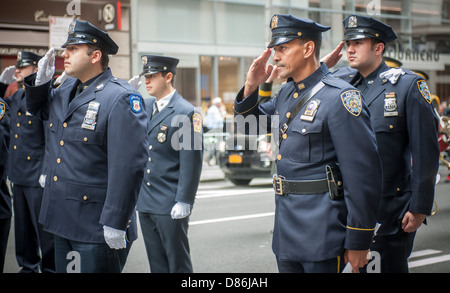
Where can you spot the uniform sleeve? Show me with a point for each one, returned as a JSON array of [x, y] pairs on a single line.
[[422, 128], [38, 97], [360, 165], [5, 118], [189, 142], [127, 157]]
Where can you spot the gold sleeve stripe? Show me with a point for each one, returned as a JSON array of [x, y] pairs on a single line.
[[265, 93], [360, 229], [246, 110]]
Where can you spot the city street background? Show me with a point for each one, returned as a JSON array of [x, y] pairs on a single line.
[[231, 231]]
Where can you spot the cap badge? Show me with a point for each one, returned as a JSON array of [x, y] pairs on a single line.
[[71, 28], [19, 56], [353, 21], [274, 21], [144, 60]]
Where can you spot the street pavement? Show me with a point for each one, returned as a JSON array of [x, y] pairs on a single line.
[[231, 231]]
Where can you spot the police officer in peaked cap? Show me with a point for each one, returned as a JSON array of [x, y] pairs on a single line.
[[405, 125], [34, 247], [173, 170], [97, 151], [328, 179]]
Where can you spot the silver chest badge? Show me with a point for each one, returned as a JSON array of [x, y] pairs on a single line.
[[390, 105], [90, 119]]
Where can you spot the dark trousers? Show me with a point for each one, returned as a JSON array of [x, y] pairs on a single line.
[[31, 240], [334, 265], [166, 243], [394, 251], [79, 257], [5, 225]]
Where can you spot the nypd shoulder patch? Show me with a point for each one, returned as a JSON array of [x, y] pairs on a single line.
[[352, 102], [197, 122], [424, 90], [136, 103], [2, 110]]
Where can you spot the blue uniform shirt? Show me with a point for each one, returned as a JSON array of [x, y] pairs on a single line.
[[406, 130], [97, 151], [313, 227]]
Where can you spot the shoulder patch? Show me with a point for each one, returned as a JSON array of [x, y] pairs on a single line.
[[424, 90], [136, 103], [352, 102], [197, 122], [2, 110]]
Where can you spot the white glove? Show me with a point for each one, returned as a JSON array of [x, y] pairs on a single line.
[[135, 82], [8, 75], [46, 68], [392, 74], [180, 210], [42, 180], [114, 238], [60, 79]]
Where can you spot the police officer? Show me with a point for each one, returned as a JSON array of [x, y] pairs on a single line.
[[26, 159], [320, 223], [97, 150], [173, 169], [405, 125], [5, 198]]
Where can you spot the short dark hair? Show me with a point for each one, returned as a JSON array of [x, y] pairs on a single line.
[[104, 61]]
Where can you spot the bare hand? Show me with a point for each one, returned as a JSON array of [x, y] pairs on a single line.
[[412, 221], [357, 258], [258, 73], [332, 59]]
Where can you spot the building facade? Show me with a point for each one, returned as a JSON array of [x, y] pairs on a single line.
[[216, 40]]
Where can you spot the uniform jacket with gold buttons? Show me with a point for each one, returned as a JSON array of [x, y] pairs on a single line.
[[312, 227], [27, 145], [175, 156], [5, 198], [406, 130], [97, 151]]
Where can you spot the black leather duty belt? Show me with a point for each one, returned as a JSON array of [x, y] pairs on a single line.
[[284, 187]]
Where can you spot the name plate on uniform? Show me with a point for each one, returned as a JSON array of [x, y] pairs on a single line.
[[90, 119]]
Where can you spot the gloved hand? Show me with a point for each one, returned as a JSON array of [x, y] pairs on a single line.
[[135, 82], [8, 75], [60, 79], [46, 68], [392, 74], [114, 238], [180, 210], [42, 180]]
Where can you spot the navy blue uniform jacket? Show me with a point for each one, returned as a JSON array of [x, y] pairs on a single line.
[[312, 227], [409, 131], [95, 162], [27, 145], [5, 198], [175, 156]]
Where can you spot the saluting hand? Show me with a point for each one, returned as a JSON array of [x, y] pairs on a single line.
[[8, 75], [46, 68], [258, 73], [332, 59]]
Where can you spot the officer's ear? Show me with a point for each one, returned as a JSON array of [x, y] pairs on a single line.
[[96, 56], [309, 48]]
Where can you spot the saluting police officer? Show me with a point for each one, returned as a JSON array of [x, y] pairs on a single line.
[[405, 126], [5, 198], [328, 179], [173, 169], [26, 159], [97, 151]]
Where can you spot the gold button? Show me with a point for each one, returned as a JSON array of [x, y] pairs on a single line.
[[15, 147], [398, 189], [295, 95], [51, 124], [85, 139], [85, 197], [299, 34], [61, 142], [18, 124], [16, 136], [65, 124], [19, 113], [150, 147], [29, 121], [391, 126], [288, 114], [279, 157], [148, 171], [55, 178], [284, 136], [28, 158], [58, 160]]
